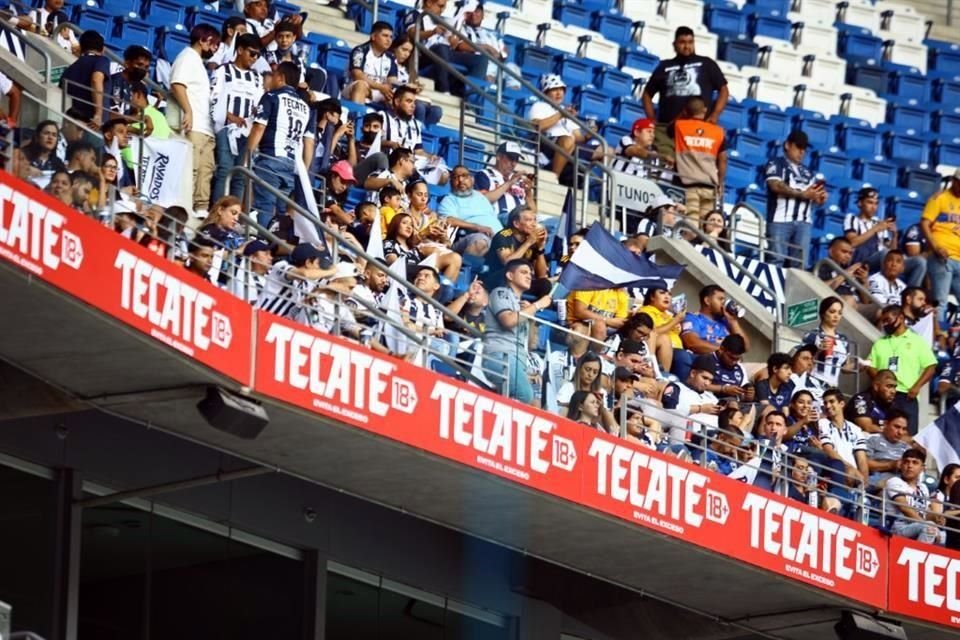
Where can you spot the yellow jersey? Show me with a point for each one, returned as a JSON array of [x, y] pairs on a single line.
[[609, 303], [661, 318], [943, 211]]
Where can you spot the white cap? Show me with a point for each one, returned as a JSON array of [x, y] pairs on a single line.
[[662, 200], [511, 148], [345, 270]]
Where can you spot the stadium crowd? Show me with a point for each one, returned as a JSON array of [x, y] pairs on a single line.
[[243, 96]]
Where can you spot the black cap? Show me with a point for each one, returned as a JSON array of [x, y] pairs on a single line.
[[798, 139], [631, 346], [705, 363], [735, 344], [867, 192]]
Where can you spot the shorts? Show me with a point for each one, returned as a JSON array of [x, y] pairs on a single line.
[[375, 96], [6, 84]]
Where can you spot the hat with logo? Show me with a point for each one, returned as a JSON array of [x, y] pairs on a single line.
[[344, 270], [662, 200], [867, 192], [642, 123], [512, 149]]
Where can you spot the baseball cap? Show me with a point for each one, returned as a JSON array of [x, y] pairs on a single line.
[[798, 139], [705, 363], [622, 373], [303, 252], [343, 169], [511, 149], [867, 192], [344, 270], [255, 246], [643, 123], [662, 200]]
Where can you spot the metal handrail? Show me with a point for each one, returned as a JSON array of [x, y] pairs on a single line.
[[840, 271], [47, 64], [712, 243], [341, 240]]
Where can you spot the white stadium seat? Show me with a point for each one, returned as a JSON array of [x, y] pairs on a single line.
[[521, 26], [706, 40], [685, 12], [821, 98], [904, 21], [537, 10], [563, 37], [909, 52], [640, 9], [657, 37], [827, 69], [861, 13], [825, 10], [817, 35], [771, 86], [864, 104], [779, 56], [738, 84]]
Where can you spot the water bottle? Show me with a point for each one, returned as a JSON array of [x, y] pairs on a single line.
[[812, 497], [735, 309], [562, 311]]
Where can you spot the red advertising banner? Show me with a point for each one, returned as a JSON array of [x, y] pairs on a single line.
[[730, 517], [76, 254], [924, 582], [402, 401]]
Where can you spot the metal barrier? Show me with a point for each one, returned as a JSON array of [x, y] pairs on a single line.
[[5, 26], [853, 282]]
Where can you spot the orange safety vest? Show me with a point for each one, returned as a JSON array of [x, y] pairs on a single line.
[[698, 144]]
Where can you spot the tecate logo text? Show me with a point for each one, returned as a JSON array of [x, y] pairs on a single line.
[[654, 485], [934, 579], [501, 430], [821, 544], [36, 233], [355, 378], [171, 305]]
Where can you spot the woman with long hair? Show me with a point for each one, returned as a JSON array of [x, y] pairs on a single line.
[[586, 407], [38, 158], [946, 502], [586, 377], [714, 225], [402, 50], [109, 181], [432, 231], [401, 241], [222, 224], [59, 186], [833, 347]]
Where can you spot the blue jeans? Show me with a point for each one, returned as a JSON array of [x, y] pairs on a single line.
[[428, 114], [789, 238], [279, 173], [225, 162], [512, 367], [944, 280]]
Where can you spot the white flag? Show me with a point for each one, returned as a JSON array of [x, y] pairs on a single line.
[[375, 243], [375, 147], [306, 230], [396, 341]]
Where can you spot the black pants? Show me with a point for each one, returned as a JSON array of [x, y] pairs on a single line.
[[909, 407], [443, 82]]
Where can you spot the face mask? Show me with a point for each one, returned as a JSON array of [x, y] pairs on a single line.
[[369, 136], [206, 55], [890, 329], [136, 75]]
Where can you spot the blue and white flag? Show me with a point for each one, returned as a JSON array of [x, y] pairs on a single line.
[[941, 438], [601, 262]]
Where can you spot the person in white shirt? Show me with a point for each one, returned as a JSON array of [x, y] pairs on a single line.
[[555, 123], [471, 23], [843, 451], [189, 110], [693, 407], [911, 502], [233, 28], [886, 285]]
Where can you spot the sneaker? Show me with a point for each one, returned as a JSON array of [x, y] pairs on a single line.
[[200, 213]]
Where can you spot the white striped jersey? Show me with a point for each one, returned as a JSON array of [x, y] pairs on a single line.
[[282, 293], [490, 179], [378, 68], [884, 290], [853, 223], [623, 164], [846, 439], [234, 90], [408, 133], [288, 120], [795, 176], [9, 39], [832, 354]]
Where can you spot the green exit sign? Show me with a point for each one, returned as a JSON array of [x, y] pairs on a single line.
[[803, 313]]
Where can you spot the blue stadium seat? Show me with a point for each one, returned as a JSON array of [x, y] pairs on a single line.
[[911, 84], [858, 44], [774, 7], [735, 116], [946, 151], [725, 19], [613, 26], [613, 81], [748, 144], [818, 129], [95, 20], [768, 120], [943, 56], [122, 8], [755, 196], [947, 90], [870, 75], [537, 60], [908, 114], [771, 26], [907, 146], [627, 110], [833, 164], [612, 132], [858, 137], [571, 13], [878, 172], [574, 70], [742, 170], [923, 181], [947, 121], [636, 57], [907, 209], [739, 50], [171, 14], [173, 43], [593, 103], [137, 32]]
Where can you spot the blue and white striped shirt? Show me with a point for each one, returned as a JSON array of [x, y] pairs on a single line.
[[795, 176], [288, 120]]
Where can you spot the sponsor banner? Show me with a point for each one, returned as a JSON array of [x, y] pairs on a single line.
[[769, 274], [407, 403], [75, 253], [634, 193], [730, 517], [163, 166], [924, 582]]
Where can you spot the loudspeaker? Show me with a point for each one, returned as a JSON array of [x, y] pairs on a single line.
[[234, 414], [854, 625]]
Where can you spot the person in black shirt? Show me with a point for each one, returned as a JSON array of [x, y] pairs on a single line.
[[868, 409], [679, 79], [522, 239], [775, 392], [87, 81], [136, 66]]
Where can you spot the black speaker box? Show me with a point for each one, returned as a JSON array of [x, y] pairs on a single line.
[[859, 626], [234, 414]]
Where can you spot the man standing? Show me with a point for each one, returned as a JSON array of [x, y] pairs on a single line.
[[703, 332], [136, 66], [87, 82], [908, 356], [506, 336], [679, 79], [189, 110], [236, 92], [791, 189], [701, 158], [282, 128], [939, 224], [504, 186]]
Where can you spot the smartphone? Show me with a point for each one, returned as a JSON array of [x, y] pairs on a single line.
[[820, 183]]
